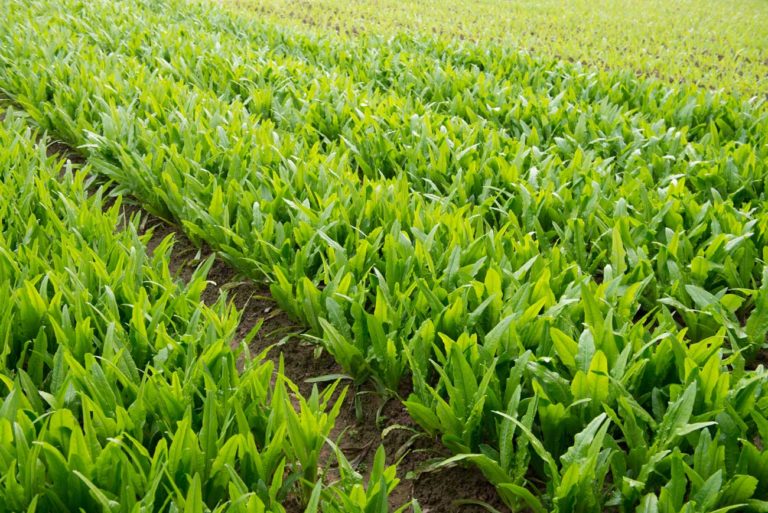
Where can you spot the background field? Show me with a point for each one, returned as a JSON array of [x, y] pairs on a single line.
[[714, 43]]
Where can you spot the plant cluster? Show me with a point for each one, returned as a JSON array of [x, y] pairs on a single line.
[[120, 390]]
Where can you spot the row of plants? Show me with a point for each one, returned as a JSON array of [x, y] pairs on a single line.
[[483, 94], [574, 286], [120, 390]]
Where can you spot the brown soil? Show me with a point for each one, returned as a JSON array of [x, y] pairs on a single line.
[[59, 148], [758, 359], [358, 431]]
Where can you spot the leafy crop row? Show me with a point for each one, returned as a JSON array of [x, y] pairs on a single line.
[[119, 390], [568, 265]]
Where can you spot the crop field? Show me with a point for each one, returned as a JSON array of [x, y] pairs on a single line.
[[369, 257]]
